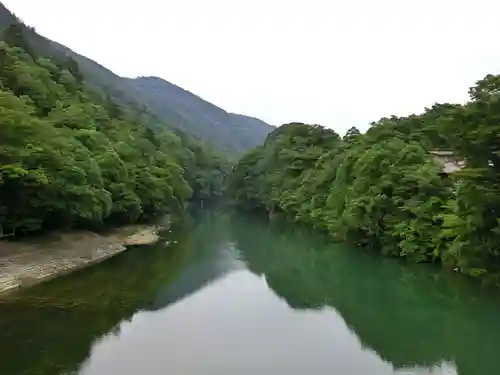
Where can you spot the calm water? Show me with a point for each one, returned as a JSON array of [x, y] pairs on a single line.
[[237, 295]]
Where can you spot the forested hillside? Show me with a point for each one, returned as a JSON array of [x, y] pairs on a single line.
[[231, 133], [384, 190], [70, 157], [154, 101]]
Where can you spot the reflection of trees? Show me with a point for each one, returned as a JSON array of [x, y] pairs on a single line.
[[410, 314], [49, 329], [210, 258]]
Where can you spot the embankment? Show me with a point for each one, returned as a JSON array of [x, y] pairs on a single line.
[[28, 262]]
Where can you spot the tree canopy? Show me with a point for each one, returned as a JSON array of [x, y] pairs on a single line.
[[69, 157], [383, 189]]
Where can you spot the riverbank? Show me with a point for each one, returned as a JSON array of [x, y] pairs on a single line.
[[29, 262]]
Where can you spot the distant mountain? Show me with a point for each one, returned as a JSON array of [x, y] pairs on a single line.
[[164, 102], [253, 128], [6, 16], [172, 103]]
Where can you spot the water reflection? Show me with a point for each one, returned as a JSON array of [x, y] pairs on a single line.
[[419, 319], [206, 268], [234, 326], [238, 295], [50, 329]]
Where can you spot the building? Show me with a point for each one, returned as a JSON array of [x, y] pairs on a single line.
[[447, 160]]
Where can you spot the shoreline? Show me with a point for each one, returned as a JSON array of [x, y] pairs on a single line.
[[27, 263]]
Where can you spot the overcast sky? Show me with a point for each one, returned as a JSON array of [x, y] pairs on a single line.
[[336, 63]]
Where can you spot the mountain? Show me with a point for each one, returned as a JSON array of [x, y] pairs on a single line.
[[159, 101], [193, 114]]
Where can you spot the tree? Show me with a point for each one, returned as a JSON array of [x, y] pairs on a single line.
[[70, 158], [351, 135], [382, 188], [14, 36]]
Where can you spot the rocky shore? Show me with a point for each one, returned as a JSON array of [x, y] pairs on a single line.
[[28, 262]]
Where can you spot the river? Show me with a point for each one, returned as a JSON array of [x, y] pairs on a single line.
[[226, 294]]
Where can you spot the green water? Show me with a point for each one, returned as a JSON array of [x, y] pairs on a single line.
[[238, 295]]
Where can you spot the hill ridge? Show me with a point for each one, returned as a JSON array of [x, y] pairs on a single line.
[[167, 103]]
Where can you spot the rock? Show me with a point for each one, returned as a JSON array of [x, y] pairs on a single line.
[[146, 236]]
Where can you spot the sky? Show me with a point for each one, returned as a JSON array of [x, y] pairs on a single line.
[[334, 63]]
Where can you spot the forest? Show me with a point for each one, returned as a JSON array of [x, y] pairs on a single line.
[[72, 157], [383, 190]]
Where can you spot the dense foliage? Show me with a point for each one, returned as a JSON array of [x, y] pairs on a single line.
[[164, 102], [383, 189], [71, 158]]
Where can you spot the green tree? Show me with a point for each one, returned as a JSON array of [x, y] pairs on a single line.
[[384, 190], [70, 158]]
